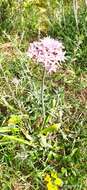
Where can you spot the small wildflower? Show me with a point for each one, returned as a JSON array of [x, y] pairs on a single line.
[[54, 175], [48, 52], [58, 182], [53, 182], [51, 186], [47, 178]]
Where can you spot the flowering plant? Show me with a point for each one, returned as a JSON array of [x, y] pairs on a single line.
[[47, 51], [53, 182]]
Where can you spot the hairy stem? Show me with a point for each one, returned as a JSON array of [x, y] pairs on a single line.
[[42, 96]]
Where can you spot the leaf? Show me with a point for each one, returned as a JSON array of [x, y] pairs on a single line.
[[51, 129], [64, 171], [8, 129], [14, 138], [73, 151], [7, 104]]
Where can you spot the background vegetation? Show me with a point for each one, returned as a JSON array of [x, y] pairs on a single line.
[[29, 149]]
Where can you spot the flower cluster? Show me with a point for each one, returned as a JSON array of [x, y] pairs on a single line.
[[53, 181], [47, 51]]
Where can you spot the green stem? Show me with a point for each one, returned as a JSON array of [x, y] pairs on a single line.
[[42, 96], [75, 9]]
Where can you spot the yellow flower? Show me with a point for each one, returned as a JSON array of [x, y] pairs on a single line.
[[51, 186], [53, 182], [54, 175], [58, 182], [47, 178]]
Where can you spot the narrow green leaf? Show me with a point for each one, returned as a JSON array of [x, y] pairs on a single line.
[[14, 138], [51, 129], [8, 129]]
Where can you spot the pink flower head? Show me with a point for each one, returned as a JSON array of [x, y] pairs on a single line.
[[47, 51]]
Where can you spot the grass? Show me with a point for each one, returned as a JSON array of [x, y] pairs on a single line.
[[29, 149]]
